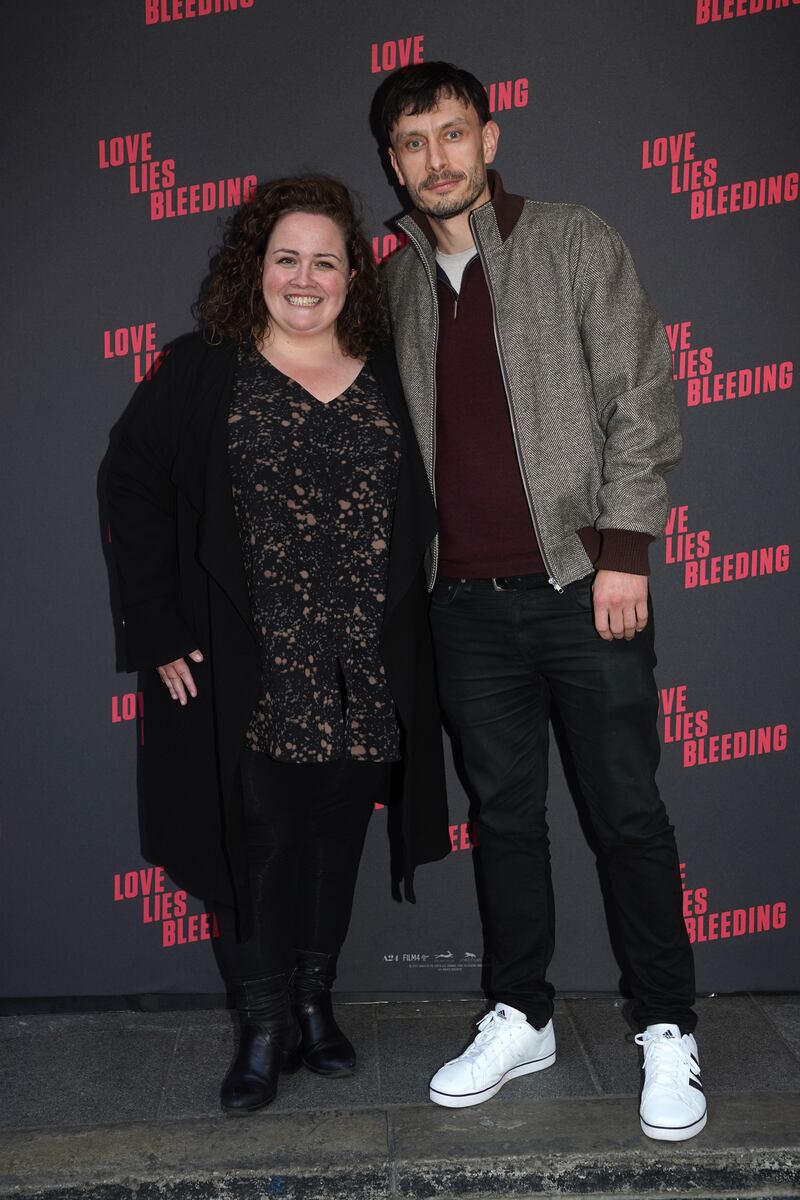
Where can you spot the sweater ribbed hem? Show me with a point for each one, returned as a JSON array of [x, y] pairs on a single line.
[[617, 550]]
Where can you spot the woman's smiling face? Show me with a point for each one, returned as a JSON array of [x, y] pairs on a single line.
[[305, 274]]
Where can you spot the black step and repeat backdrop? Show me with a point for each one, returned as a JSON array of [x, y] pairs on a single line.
[[132, 128]]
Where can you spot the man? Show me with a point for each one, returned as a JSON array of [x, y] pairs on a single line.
[[539, 380]]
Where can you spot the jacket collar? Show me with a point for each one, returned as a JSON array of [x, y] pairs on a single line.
[[497, 217], [202, 472]]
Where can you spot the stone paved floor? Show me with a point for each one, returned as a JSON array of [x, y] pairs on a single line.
[[81, 1073], [109, 1067]]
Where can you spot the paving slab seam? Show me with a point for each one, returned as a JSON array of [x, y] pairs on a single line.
[[376, 1050], [498, 1110], [175, 1119], [390, 1142], [595, 1078], [164, 1091], [771, 1178], [584, 1145], [768, 1017]]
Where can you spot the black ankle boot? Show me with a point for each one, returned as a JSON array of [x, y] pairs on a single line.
[[325, 1048], [269, 1042]]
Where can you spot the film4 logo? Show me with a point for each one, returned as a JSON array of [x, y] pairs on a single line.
[[441, 959]]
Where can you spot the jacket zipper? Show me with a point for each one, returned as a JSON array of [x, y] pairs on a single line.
[[432, 282], [551, 579]]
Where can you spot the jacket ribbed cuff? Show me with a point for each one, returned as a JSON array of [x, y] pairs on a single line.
[[624, 550], [617, 549]]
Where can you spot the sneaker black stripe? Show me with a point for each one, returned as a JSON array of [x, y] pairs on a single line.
[[695, 1083]]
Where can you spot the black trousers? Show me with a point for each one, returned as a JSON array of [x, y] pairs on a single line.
[[306, 824], [504, 659]]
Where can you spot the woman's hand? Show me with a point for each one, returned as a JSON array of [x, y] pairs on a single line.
[[178, 678]]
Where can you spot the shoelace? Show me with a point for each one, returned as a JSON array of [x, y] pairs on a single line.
[[489, 1027], [666, 1061]]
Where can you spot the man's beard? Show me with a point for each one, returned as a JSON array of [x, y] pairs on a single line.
[[447, 207]]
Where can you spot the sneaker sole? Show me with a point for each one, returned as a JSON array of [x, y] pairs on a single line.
[[448, 1100], [665, 1133]]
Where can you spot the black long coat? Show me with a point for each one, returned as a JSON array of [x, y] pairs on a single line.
[[182, 586]]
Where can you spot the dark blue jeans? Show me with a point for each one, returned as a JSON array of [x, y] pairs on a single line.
[[507, 661]]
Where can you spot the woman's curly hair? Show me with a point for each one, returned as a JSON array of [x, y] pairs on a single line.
[[231, 304]]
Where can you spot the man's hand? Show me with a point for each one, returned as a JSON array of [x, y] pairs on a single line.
[[178, 678], [620, 604]]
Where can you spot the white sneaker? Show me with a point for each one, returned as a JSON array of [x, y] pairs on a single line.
[[504, 1047], [673, 1105]]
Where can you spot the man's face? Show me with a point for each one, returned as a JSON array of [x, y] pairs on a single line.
[[441, 156]]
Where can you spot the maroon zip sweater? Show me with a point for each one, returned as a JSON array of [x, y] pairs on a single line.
[[484, 519]]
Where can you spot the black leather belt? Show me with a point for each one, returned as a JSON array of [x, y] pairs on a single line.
[[518, 583], [500, 583]]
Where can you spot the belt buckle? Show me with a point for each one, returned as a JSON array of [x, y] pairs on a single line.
[[497, 586]]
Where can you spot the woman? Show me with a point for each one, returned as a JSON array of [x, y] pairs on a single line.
[[270, 514]]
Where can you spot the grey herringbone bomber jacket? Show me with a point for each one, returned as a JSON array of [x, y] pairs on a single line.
[[586, 365]]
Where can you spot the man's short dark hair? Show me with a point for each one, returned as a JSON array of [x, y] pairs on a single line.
[[418, 89]]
